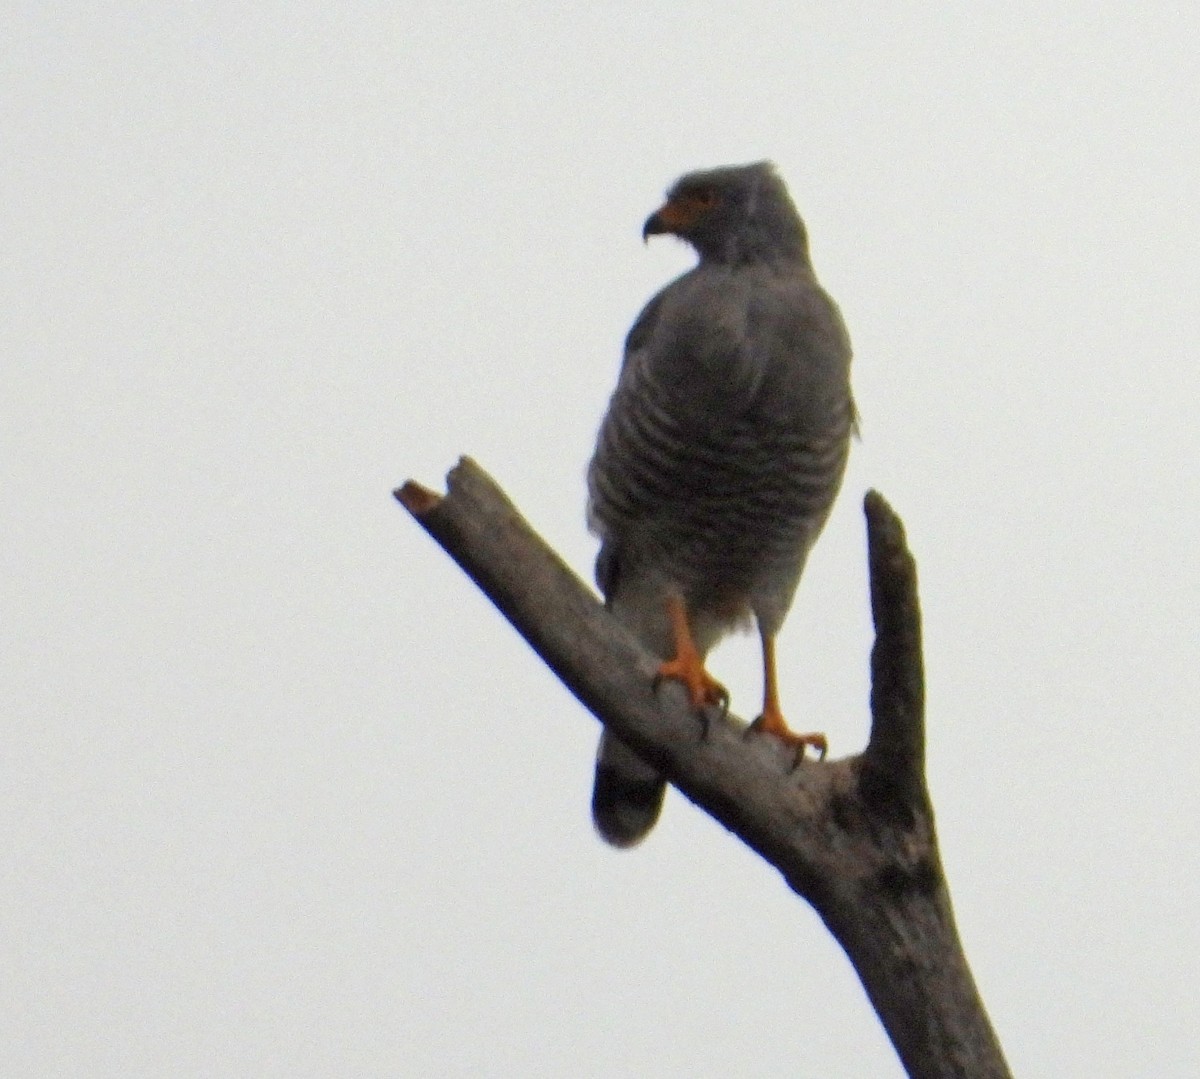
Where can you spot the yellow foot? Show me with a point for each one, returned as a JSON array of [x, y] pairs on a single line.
[[771, 722], [701, 686], [687, 665]]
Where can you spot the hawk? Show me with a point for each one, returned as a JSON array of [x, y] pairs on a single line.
[[719, 457]]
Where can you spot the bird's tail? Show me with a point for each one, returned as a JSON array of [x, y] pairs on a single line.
[[627, 796]]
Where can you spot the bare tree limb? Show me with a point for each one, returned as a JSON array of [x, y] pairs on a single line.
[[853, 836]]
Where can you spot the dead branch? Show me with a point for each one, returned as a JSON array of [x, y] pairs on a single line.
[[854, 836]]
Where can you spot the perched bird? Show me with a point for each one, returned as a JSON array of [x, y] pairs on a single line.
[[719, 457]]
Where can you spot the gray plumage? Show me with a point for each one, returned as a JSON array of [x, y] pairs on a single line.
[[723, 446]]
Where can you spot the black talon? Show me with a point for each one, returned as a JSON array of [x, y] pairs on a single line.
[[802, 749]]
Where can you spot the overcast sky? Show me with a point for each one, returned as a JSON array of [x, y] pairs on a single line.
[[282, 795]]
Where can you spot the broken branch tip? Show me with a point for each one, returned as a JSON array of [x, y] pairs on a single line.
[[416, 498]]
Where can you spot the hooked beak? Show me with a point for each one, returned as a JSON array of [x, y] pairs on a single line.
[[675, 215], [654, 226]]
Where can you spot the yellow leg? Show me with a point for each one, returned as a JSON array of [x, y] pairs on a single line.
[[686, 665], [771, 721]]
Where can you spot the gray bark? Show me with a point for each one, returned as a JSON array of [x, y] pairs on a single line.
[[854, 837]]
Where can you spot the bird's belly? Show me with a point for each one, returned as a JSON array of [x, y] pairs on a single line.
[[723, 560]]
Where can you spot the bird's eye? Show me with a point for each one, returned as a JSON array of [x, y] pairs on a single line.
[[705, 198]]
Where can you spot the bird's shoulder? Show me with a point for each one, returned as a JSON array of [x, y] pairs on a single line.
[[715, 314], [690, 308], [716, 293], [643, 326]]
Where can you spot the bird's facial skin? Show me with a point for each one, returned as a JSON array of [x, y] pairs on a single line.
[[681, 213]]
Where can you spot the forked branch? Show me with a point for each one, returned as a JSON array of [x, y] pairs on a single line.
[[854, 836]]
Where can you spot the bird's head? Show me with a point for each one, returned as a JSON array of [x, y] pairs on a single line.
[[735, 214]]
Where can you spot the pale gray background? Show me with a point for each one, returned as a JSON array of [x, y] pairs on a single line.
[[281, 795]]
